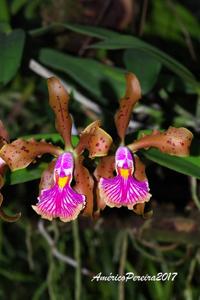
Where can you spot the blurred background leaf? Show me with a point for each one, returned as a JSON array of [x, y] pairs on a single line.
[[90, 74], [144, 66], [11, 49]]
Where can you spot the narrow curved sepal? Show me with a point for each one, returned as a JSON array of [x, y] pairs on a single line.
[[19, 154], [127, 103], [95, 140], [173, 141], [60, 200], [84, 185], [7, 218], [4, 216], [105, 168], [59, 101], [124, 189]]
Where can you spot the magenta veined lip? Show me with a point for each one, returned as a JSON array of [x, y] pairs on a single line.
[[61, 201]]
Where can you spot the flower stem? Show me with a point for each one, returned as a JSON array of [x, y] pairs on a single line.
[[121, 294], [77, 256]]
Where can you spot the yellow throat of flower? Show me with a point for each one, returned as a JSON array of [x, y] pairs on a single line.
[[62, 181], [124, 173]]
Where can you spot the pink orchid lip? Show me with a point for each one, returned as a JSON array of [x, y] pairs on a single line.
[[61, 201], [124, 189]]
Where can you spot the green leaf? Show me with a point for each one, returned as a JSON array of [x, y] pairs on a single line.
[[53, 137], [189, 165], [90, 74], [130, 42], [4, 12], [16, 5], [16, 276], [81, 29], [167, 20], [25, 175], [10, 54], [145, 67], [114, 41]]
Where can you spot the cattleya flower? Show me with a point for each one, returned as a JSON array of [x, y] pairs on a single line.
[[124, 189], [130, 186], [57, 198], [4, 139]]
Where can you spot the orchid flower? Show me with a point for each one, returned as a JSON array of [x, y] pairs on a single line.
[[130, 186], [124, 189], [4, 139], [57, 197]]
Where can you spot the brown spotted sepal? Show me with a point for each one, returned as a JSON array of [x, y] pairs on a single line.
[[59, 101], [84, 185], [20, 153], [127, 103], [174, 141]]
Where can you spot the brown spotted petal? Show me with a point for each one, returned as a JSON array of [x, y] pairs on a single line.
[[47, 179], [95, 140], [174, 141], [105, 168], [127, 103], [139, 172], [58, 100], [19, 154], [141, 176], [84, 185], [4, 136]]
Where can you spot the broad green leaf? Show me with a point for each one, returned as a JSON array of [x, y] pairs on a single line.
[[11, 49], [114, 40], [81, 29], [130, 42], [144, 66], [89, 73], [189, 165], [27, 174]]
